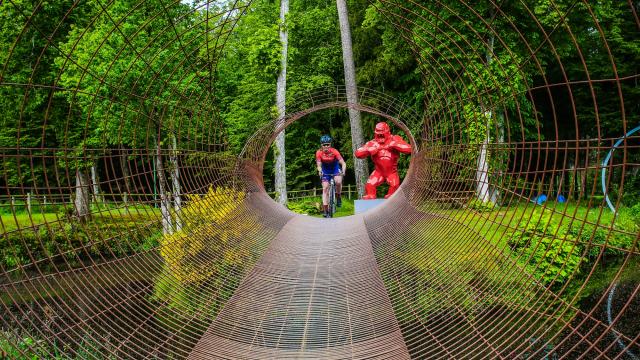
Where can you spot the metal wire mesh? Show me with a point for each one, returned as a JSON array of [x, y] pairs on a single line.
[[231, 274]]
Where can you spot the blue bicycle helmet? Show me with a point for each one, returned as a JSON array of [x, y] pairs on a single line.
[[325, 139]]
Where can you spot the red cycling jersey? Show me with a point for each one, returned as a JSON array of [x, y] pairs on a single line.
[[329, 156]]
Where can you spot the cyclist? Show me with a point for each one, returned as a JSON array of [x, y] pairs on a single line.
[[329, 163]]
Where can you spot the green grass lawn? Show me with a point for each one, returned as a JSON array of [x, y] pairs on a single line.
[[312, 207], [102, 214], [12, 222], [56, 237], [496, 224]]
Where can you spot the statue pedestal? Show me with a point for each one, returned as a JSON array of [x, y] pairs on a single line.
[[364, 205]]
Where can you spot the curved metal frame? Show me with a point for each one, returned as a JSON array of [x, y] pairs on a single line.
[[432, 274]]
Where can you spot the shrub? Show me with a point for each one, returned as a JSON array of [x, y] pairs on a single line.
[[480, 206], [551, 257], [634, 212], [206, 248], [617, 241], [120, 236], [308, 207], [13, 346]]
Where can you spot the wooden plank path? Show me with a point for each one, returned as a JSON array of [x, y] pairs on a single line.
[[316, 293]]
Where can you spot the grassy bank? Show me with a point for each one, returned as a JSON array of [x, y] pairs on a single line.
[[313, 207]]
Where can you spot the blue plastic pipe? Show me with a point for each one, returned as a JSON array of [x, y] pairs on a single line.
[[606, 162]]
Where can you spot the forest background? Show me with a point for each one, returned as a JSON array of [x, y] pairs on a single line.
[[238, 72]]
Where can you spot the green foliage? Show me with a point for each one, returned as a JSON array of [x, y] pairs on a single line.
[[634, 213], [549, 253], [555, 252], [206, 249], [247, 73], [13, 346], [313, 206], [414, 281], [113, 235], [615, 242], [306, 207], [480, 206], [27, 57]]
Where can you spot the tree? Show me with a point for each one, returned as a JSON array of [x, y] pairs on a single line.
[[281, 172], [131, 78], [175, 181], [28, 45], [360, 166], [247, 74], [482, 172]]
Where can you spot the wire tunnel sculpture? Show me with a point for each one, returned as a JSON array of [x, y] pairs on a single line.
[[462, 262]]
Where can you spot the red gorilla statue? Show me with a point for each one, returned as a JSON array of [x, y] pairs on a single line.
[[385, 150]]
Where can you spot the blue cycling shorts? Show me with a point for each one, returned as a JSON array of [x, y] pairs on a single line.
[[329, 170]]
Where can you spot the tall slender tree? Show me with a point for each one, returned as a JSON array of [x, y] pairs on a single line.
[[163, 189], [482, 171], [357, 139], [95, 185], [81, 201], [175, 181], [280, 170]]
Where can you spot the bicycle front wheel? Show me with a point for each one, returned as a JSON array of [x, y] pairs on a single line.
[[332, 198]]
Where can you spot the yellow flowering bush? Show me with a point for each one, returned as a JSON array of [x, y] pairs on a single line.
[[208, 245]]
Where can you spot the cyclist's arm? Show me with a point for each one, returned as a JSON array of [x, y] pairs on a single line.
[[319, 162], [343, 165]]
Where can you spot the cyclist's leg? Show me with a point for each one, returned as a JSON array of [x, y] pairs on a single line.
[[338, 180], [325, 196], [325, 192]]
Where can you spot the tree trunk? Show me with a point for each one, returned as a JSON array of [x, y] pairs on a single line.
[[95, 187], [572, 181], [175, 179], [482, 171], [82, 200], [582, 190], [281, 170], [495, 193], [560, 183], [361, 169], [165, 202], [124, 167]]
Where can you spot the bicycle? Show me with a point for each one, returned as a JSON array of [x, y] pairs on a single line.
[[332, 194], [332, 197]]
